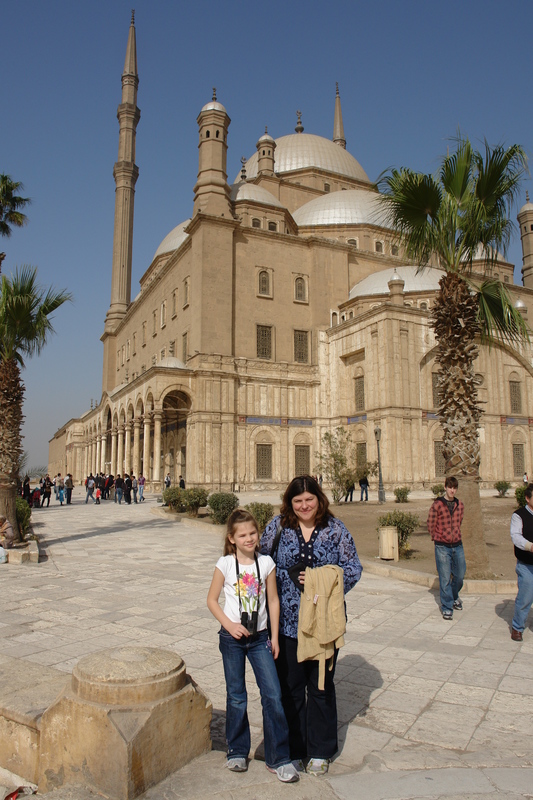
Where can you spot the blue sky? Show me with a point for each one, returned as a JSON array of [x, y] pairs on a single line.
[[410, 74]]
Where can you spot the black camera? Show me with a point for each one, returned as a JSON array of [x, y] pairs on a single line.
[[249, 621]]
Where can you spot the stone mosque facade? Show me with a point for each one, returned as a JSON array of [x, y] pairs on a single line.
[[279, 311]]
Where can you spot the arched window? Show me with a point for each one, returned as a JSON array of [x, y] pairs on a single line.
[[207, 134], [379, 247], [395, 250], [360, 393], [264, 282], [334, 318], [185, 292], [256, 223], [272, 226], [299, 289], [353, 242], [515, 391]]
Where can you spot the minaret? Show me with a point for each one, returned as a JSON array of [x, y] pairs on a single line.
[[125, 173], [525, 221], [338, 127], [212, 193], [265, 154]]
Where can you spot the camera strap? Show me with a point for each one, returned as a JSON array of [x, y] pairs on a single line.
[[238, 582]]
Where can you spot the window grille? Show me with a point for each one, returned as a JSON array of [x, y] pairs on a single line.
[[264, 282], [516, 397], [302, 459], [360, 393], [299, 289], [184, 348], [256, 223], [272, 226], [353, 242], [435, 387], [301, 347], [264, 341], [379, 247], [519, 461], [263, 465], [360, 454], [440, 463], [327, 187]]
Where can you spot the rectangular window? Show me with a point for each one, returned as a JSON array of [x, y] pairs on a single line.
[[127, 349], [440, 463], [184, 348], [360, 393], [263, 461], [519, 461], [118, 360], [123, 354], [163, 313], [264, 341], [143, 340], [302, 459], [154, 323], [360, 454], [134, 344], [185, 292], [301, 347], [516, 397], [174, 302], [435, 383]]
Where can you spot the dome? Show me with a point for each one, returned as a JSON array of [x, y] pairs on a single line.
[[378, 282], [303, 150], [173, 239], [214, 105], [255, 194], [350, 207]]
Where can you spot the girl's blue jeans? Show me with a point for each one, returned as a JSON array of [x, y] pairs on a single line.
[[275, 729]]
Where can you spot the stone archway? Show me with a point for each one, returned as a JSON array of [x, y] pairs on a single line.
[[176, 408]]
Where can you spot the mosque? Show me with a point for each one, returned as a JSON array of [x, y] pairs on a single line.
[[280, 310]]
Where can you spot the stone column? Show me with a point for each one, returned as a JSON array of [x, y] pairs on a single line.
[[156, 477], [127, 448], [98, 451], [136, 446], [146, 447], [103, 447], [113, 467], [120, 457]]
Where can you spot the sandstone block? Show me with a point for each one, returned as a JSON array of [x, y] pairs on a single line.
[[18, 555]]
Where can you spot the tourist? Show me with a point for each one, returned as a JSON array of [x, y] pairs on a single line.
[[141, 482], [525, 479], [167, 481], [350, 486], [522, 537], [7, 535], [134, 487], [444, 525], [127, 489], [69, 486], [249, 582], [182, 482], [60, 488], [47, 491], [90, 484], [363, 483], [306, 534], [26, 490], [119, 489]]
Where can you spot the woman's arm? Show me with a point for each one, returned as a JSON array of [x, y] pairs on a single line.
[[273, 611], [348, 558], [234, 628]]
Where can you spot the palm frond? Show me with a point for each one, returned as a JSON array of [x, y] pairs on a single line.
[[498, 318]]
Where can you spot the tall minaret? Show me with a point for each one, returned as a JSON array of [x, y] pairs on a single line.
[[125, 173], [211, 192], [338, 127], [525, 220]]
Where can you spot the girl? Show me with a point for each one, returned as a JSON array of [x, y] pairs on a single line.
[[249, 580]]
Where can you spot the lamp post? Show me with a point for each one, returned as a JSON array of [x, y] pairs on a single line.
[[381, 490]]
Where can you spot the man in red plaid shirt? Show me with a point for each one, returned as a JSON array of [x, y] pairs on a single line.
[[444, 525]]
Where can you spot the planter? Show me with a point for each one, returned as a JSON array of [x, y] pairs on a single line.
[[388, 543]]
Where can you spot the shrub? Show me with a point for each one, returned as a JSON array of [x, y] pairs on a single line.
[[502, 487], [404, 522], [263, 513], [193, 499], [402, 494], [173, 497], [23, 512], [520, 494], [222, 504], [438, 489]]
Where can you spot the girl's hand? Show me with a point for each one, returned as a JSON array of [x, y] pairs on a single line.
[[275, 647], [236, 630]]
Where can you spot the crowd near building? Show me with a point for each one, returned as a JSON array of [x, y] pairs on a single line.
[[281, 309]]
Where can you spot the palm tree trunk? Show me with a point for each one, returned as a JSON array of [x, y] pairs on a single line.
[[455, 321], [11, 399]]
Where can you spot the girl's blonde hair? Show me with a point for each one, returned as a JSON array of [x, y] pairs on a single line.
[[236, 518]]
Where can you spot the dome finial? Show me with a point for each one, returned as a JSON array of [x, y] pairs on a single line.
[[214, 93], [243, 168], [133, 16], [299, 127], [527, 196], [337, 89], [338, 127], [266, 128]]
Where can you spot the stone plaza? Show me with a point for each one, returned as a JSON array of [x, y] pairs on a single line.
[[427, 708]]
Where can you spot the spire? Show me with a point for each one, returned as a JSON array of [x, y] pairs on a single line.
[[338, 127], [299, 127], [130, 64]]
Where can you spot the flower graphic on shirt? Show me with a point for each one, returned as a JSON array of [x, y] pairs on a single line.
[[248, 587]]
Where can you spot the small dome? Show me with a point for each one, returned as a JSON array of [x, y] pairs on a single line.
[[214, 105], [526, 207], [255, 194], [266, 138], [378, 282], [520, 305], [173, 240], [350, 207], [395, 277], [303, 150]]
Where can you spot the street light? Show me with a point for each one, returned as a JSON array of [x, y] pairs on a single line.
[[381, 490]]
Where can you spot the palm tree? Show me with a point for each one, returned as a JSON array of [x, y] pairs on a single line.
[[445, 221], [25, 324], [10, 205]]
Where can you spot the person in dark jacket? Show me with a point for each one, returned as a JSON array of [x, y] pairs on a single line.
[[522, 538], [444, 525]]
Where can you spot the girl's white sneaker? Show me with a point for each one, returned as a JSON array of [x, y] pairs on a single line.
[[287, 773], [237, 764], [317, 766]]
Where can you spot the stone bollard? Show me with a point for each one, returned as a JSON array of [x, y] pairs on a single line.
[[130, 717]]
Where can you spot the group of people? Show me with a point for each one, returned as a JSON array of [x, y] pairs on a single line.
[[303, 564], [350, 488], [99, 487], [41, 494]]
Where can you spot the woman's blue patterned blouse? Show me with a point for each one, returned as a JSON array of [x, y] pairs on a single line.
[[333, 545]]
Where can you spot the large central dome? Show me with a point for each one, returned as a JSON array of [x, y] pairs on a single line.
[[303, 150]]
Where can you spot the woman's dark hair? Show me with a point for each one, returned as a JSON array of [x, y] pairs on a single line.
[[300, 485]]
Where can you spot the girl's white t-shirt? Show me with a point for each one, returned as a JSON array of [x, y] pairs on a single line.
[[251, 599]]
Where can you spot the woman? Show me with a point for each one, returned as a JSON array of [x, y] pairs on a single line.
[[306, 534]]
